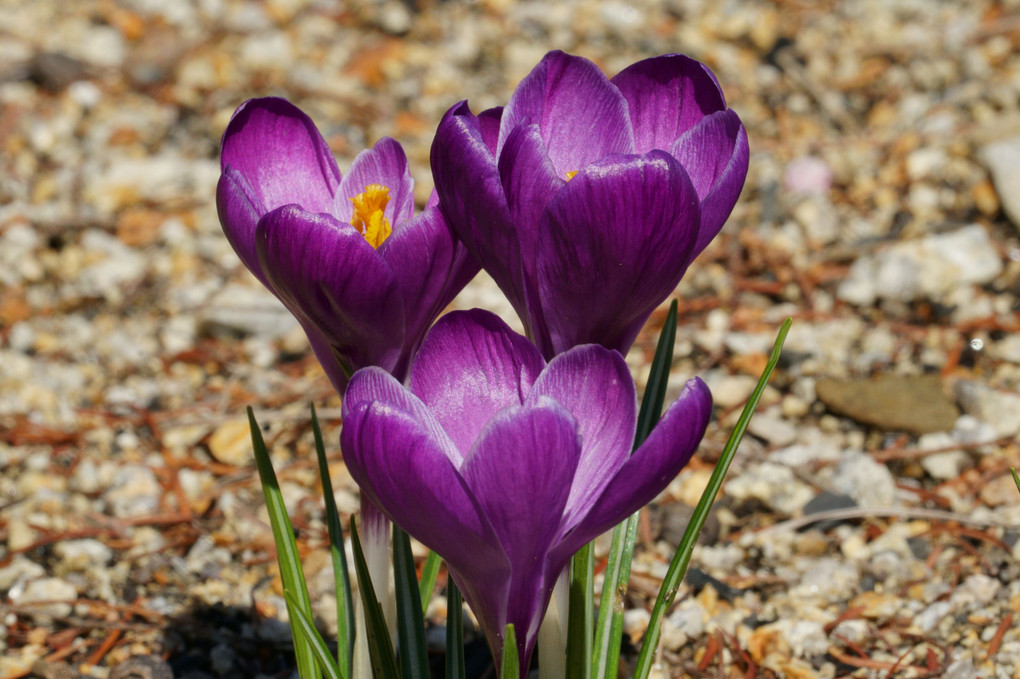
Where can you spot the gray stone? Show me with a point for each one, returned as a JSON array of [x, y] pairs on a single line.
[[729, 391], [60, 592], [914, 404], [927, 619], [135, 492], [868, 482], [82, 555], [999, 409], [247, 310], [773, 430], [773, 484], [928, 268], [946, 465], [1002, 158], [828, 579], [19, 570]]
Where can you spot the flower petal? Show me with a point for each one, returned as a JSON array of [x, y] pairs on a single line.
[[620, 232], [521, 471], [405, 472], [323, 351], [488, 125], [715, 154], [666, 96], [470, 366], [239, 211], [328, 275], [282, 155], [529, 181], [431, 266], [472, 199], [581, 115], [595, 386], [652, 466], [385, 164], [375, 384]]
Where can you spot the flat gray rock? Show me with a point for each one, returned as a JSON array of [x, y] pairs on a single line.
[[917, 405]]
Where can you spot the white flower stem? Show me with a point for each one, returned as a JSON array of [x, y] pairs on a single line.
[[375, 542], [552, 634]]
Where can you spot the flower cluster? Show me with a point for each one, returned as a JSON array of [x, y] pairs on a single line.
[[586, 199]]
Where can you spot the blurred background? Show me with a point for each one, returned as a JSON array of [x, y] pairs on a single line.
[[869, 526]]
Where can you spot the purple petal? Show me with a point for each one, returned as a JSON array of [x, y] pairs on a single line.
[[521, 471], [581, 115], [621, 233], [282, 155], [666, 96], [385, 164], [323, 351], [239, 211], [431, 267], [488, 125], [405, 471], [652, 466], [715, 155], [375, 384], [530, 181], [595, 386], [328, 275], [472, 199], [470, 366]]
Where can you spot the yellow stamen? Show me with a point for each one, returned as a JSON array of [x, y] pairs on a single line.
[[368, 217], [570, 175]]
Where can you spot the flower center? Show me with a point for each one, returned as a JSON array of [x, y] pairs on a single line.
[[570, 175], [368, 217]]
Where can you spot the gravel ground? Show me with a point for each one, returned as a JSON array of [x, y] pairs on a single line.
[[869, 526]]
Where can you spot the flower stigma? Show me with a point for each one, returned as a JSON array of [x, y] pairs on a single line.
[[368, 217]]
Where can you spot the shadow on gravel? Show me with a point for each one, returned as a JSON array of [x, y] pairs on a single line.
[[230, 642]]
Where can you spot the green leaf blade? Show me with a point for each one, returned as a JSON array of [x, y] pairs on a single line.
[[509, 665], [580, 620], [429, 572], [682, 557], [338, 554], [414, 662], [380, 646], [320, 651], [291, 574], [455, 663], [609, 626]]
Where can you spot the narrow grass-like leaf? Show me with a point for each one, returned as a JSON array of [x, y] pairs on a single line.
[[658, 378], [286, 552], [682, 557], [321, 652], [428, 579], [380, 646], [414, 660], [609, 630], [1016, 478], [580, 621], [609, 627], [509, 667], [455, 665], [341, 577]]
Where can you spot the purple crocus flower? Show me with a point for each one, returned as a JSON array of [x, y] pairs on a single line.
[[505, 465], [587, 198], [345, 254]]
